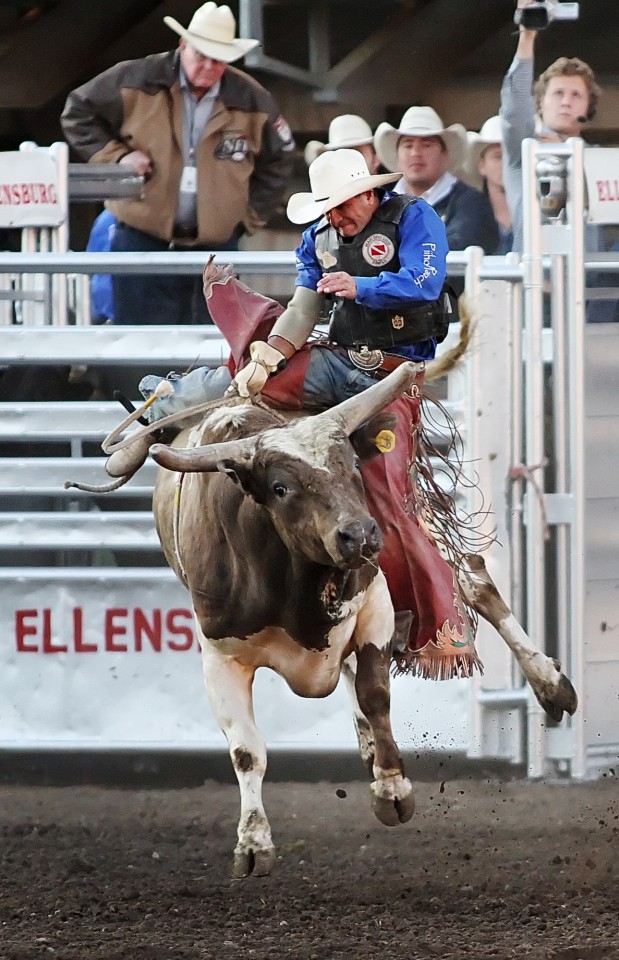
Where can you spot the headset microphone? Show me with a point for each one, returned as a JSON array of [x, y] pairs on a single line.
[[582, 119]]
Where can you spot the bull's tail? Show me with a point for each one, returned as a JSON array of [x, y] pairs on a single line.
[[441, 365]]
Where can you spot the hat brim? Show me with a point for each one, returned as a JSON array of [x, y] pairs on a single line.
[[386, 143], [303, 208], [350, 144], [473, 154], [226, 52], [313, 149]]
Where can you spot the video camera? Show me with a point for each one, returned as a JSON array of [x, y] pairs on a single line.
[[538, 15]]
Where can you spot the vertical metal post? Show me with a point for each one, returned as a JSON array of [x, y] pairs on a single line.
[[534, 438], [560, 393], [319, 36], [31, 312], [250, 22], [471, 295], [576, 452], [517, 455], [60, 235]]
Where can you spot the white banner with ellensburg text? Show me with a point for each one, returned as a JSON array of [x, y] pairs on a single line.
[[602, 177], [114, 663], [29, 190]]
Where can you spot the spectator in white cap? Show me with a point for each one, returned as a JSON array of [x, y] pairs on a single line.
[[350, 132], [211, 143], [485, 160], [429, 154]]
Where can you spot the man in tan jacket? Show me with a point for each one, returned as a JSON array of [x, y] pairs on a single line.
[[211, 143]]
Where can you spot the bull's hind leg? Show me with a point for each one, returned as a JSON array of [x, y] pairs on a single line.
[[369, 686], [551, 687], [229, 688]]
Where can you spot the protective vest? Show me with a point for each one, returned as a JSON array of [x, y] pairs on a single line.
[[368, 254]]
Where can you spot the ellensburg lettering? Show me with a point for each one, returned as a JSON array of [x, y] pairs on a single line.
[[22, 194], [122, 630]]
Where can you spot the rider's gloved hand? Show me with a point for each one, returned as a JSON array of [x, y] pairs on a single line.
[[264, 361]]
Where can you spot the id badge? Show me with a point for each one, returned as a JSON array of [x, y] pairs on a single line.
[[189, 180]]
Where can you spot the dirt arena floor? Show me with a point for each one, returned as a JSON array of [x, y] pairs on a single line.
[[486, 869]]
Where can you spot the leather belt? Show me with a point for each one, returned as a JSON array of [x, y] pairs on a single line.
[[376, 363]]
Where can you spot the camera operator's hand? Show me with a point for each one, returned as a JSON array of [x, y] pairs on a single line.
[[526, 38]]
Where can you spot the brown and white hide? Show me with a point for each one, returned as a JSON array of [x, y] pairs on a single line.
[[273, 539]]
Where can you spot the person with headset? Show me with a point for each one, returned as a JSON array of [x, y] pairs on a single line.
[[564, 98]]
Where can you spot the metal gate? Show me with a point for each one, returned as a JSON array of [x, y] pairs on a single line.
[[96, 655]]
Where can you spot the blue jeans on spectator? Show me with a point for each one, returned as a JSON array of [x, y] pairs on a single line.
[[163, 299]]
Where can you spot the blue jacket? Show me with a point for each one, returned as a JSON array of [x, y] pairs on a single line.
[[417, 280], [100, 241]]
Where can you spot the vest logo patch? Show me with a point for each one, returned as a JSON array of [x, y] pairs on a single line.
[[397, 322], [326, 259], [378, 250], [233, 148]]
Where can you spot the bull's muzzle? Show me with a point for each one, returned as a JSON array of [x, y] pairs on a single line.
[[358, 541]]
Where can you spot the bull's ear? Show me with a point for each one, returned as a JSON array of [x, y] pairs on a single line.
[[242, 474], [376, 436]]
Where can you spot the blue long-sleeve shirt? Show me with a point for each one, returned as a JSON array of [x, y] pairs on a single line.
[[422, 253]]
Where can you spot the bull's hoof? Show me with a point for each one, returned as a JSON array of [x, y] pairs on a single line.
[[256, 862], [393, 802], [562, 698]]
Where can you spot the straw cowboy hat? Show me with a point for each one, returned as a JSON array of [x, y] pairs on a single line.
[[335, 176], [420, 122], [347, 130], [490, 133], [211, 32]]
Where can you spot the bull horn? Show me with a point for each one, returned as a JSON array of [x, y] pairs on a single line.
[[351, 413], [202, 459]]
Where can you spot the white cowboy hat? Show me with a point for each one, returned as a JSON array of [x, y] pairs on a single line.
[[347, 130], [490, 133], [212, 31], [335, 176], [420, 122]]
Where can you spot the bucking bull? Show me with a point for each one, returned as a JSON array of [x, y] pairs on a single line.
[[265, 521]]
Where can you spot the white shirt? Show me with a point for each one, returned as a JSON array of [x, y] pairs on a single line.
[[438, 191]]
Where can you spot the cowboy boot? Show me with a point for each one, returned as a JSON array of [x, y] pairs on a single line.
[[176, 393]]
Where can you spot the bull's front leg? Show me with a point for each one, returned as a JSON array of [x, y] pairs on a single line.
[[392, 793], [552, 688], [229, 688]]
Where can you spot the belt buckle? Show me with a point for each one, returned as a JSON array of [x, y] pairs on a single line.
[[366, 359]]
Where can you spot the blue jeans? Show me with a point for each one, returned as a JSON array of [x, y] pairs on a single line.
[[331, 377], [162, 299]]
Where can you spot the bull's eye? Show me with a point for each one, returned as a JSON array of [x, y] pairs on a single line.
[[280, 489], [357, 463]]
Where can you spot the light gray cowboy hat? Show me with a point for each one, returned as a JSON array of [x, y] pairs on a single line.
[[490, 133], [211, 32], [420, 122], [347, 130], [335, 176]]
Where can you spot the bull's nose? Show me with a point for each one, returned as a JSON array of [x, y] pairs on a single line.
[[356, 539]]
